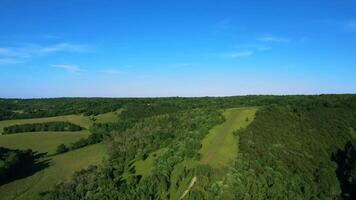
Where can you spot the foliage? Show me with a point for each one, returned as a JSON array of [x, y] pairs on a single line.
[[61, 168], [62, 148], [41, 141], [45, 126], [16, 164], [346, 170], [285, 152]]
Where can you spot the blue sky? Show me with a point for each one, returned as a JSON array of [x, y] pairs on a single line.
[[142, 48]]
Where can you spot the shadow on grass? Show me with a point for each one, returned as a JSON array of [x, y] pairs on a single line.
[[18, 164]]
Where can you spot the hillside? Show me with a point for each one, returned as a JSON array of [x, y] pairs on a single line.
[[255, 147]]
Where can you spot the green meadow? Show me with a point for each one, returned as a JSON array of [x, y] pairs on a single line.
[[61, 168], [219, 147], [41, 141], [81, 120]]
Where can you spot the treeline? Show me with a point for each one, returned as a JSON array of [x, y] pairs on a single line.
[[16, 164], [34, 108], [45, 126], [99, 131]]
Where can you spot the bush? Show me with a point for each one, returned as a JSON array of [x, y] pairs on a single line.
[[62, 148]]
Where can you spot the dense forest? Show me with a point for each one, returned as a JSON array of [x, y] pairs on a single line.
[[47, 126], [297, 147]]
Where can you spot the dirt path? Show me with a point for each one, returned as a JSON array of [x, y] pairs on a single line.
[[194, 179]]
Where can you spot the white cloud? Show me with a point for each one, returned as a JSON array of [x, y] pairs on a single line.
[[271, 38], [237, 54], [61, 47], [27, 51], [70, 68]]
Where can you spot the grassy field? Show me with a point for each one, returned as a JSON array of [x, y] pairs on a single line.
[[80, 120], [61, 168], [83, 121], [219, 147], [108, 117], [41, 141], [143, 167]]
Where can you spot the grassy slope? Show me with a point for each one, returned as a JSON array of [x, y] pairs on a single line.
[[48, 141], [80, 120], [219, 147], [143, 167], [61, 168], [41, 141], [75, 119], [108, 117]]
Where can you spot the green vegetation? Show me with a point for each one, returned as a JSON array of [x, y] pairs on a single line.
[[40, 108], [61, 168], [286, 152], [219, 147], [346, 169], [37, 127], [62, 148], [144, 167], [291, 147], [109, 117], [75, 119], [41, 141], [15, 164]]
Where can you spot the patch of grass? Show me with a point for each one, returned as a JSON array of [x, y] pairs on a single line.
[[80, 120], [108, 117], [219, 147], [61, 169], [41, 141], [144, 167], [176, 191]]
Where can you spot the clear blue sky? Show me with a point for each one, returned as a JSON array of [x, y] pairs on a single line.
[[51, 48]]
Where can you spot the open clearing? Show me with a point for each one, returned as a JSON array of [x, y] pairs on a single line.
[[144, 167], [61, 169], [41, 141], [81, 120], [219, 147], [61, 166], [108, 117]]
